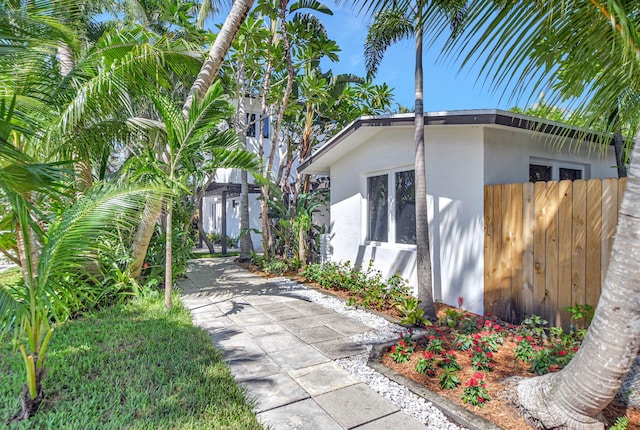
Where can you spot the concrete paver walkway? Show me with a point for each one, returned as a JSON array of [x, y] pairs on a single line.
[[281, 347]]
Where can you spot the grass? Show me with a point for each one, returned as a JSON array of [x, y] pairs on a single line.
[[133, 366]]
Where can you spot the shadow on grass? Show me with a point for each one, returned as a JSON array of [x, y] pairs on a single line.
[[135, 366]]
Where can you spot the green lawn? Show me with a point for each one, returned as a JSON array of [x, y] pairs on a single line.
[[132, 366]]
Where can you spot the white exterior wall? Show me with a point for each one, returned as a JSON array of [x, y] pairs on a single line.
[[454, 181], [213, 217], [508, 153]]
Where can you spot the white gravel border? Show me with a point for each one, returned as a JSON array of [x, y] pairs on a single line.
[[384, 331]]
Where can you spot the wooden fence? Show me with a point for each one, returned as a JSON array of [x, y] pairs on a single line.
[[547, 245]]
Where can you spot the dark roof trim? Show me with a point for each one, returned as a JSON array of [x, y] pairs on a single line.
[[465, 117]]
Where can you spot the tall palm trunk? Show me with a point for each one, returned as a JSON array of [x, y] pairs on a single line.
[[168, 272], [246, 245], [218, 51], [423, 258], [574, 397], [148, 222]]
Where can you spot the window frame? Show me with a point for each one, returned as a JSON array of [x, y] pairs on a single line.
[[556, 165], [391, 207]]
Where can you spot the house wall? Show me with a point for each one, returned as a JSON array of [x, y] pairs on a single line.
[[213, 217], [454, 184], [508, 152]]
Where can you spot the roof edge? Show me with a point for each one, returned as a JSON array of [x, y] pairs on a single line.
[[458, 117]]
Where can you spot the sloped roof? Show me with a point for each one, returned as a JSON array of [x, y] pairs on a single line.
[[364, 128]]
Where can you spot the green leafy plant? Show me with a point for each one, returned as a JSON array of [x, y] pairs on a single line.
[[581, 315], [621, 423], [426, 364], [410, 312], [448, 379], [475, 391], [448, 361], [435, 344], [275, 267], [451, 317]]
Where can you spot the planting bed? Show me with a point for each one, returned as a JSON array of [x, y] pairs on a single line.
[[505, 370]]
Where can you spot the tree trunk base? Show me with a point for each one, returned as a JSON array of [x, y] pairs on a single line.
[[29, 405], [539, 409]]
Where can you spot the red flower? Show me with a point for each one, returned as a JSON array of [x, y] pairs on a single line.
[[460, 301], [518, 338], [432, 337], [562, 352], [480, 399], [393, 348], [478, 375], [473, 382], [529, 339]]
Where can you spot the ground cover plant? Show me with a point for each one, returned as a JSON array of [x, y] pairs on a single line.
[[476, 361], [133, 365]]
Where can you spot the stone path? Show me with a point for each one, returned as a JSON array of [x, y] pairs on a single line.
[[282, 348]]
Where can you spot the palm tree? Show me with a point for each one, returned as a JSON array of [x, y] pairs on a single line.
[[193, 143], [395, 21], [58, 274], [218, 51], [594, 65]]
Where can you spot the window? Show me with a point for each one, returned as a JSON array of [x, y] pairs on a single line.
[[395, 190], [539, 172], [551, 170], [378, 197], [253, 126]]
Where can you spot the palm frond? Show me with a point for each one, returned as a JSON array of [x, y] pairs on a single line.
[[388, 27]]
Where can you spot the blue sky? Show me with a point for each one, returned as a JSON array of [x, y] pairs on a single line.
[[445, 86]]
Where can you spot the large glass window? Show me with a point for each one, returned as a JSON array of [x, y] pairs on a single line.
[[391, 208], [378, 197], [405, 207]]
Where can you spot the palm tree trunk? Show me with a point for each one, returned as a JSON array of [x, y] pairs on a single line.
[[575, 397], [148, 222], [218, 51], [423, 258], [168, 262]]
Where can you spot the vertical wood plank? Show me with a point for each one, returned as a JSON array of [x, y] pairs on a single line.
[[565, 214], [609, 221], [551, 274], [539, 247], [528, 223], [594, 242], [497, 246], [504, 290], [622, 185], [488, 247], [578, 242], [516, 271]]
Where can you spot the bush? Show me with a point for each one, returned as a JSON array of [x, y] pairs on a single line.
[[370, 290]]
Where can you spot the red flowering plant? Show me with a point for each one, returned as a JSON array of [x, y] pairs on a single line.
[[481, 359], [475, 390], [426, 364], [435, 344], [401, 351]]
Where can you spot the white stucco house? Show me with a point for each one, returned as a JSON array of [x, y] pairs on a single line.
[[371, 162], [220, 208]]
